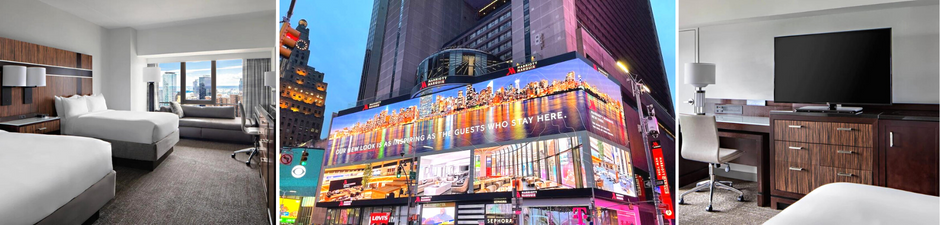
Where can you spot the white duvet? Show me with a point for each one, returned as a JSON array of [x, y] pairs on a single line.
[[127, 126], [857, 204], [40, 173]]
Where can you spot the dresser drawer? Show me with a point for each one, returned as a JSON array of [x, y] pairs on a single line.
[[800, 131], [40, 128], [798, 152], [825, 175], [844, 157], [851, 134], [793, 177]]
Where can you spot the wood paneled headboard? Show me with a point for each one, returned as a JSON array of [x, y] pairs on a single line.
[[67, 73]]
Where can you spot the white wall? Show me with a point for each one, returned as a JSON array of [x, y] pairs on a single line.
[[252, 31], [696, 13], [743, 52], [122, 79], [39, 23]]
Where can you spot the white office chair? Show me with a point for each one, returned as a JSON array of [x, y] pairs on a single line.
[[700, 143], [255, 133]]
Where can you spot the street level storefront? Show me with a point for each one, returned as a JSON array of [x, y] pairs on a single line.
[[545, 139]]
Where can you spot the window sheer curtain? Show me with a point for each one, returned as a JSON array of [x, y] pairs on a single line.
[[253, 79]]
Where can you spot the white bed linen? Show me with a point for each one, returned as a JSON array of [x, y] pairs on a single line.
[[857, 204], [128, 126], [40, 173]]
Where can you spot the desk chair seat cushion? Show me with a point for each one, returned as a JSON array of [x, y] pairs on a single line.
[[726, 155], [255, 131]]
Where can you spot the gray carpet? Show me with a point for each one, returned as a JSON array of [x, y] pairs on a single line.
[[199, 183], [730, 211]]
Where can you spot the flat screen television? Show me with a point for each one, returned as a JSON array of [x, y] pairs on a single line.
[[852, 67]]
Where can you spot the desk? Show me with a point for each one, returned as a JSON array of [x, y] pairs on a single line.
[[750, 134]]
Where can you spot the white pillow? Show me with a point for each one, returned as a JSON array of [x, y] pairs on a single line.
[[74, 107], [58, 106], [96, 103]]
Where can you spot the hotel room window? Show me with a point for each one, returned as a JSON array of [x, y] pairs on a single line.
[[199, 83], [229, 82], [169, 90]]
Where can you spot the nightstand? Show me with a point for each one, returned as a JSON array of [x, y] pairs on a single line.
[[35, 125]]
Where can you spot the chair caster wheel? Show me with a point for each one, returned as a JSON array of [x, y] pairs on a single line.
[[681, 201], [709, 209], [233, 155], [248, 164], [741, 198]]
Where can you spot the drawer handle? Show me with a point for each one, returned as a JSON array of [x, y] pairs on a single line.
[[796, 168], [845, 152], [797, 148], [845, 174], [845, 128], [795, 126], [42, 128]]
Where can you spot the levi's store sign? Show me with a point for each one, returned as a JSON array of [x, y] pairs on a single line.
[[564, 97], [660, 166], [379, 218]]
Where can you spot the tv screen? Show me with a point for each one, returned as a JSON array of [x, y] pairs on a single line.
[[852, 67]]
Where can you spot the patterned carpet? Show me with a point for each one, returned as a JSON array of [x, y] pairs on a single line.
[[199, 183], [729, 210]]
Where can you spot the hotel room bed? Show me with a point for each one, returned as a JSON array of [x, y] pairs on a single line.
[[51, 179], [138, 139], [849, 203]]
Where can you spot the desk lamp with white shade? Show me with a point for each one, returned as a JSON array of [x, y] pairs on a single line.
[[699, 75]]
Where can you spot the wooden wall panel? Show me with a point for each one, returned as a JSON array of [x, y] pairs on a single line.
[[19, 51], [43, 96]]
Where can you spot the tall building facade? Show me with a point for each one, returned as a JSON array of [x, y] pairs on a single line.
[[303, 92], [170, 87], [402, 33]]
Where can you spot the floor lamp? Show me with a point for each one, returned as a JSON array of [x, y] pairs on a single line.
[[151, 76]]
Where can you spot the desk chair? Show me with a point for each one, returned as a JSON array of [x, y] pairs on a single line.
[[700, 143], [255, 133]]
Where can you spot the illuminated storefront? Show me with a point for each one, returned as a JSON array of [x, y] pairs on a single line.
[[546, 138]]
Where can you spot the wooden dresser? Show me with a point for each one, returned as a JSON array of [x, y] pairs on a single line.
[[813, 149], [33, 125]]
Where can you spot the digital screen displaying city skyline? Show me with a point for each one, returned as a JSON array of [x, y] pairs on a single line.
[[558, 98]]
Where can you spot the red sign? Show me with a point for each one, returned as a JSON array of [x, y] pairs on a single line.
[[665, 197], [286, 159], [640, 188], [379, 218]]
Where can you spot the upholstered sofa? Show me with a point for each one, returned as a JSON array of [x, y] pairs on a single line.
[[215, 123]]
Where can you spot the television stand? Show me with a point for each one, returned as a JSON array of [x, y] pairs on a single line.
[[831, 108]]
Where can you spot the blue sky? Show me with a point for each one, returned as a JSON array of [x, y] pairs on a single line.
[[338, 32], [664, 13]]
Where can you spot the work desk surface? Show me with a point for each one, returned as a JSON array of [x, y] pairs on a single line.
[[754, 124]]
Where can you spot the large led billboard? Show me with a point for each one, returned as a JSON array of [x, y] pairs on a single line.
[[444, 174], [377, 180], [613, 168], [558, 98], [537, 165]]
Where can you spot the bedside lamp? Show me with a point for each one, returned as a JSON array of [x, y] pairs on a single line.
[[35, 77], [151, 75], [699, 75], [13, 76]]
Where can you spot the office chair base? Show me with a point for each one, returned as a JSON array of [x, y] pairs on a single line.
[[251, 154], [708, 185]]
